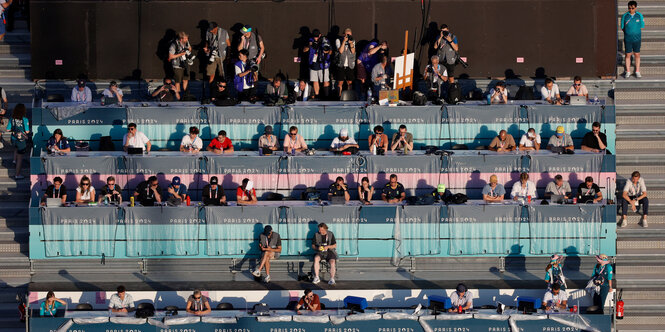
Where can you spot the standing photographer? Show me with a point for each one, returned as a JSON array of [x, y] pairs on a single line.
[[435, 76], [447, 49], [253, 43], [345, 61], [181, 57], [166, 92], [217, 42], [246, 75], [320, 53]]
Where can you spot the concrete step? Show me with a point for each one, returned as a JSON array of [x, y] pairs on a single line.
[[643, 169], [18, 234], [649, 129], [649, 57], [15, 49], [637, 119], [647, 34], [646, 144], [634, 243], [15, 73], [12, 247], [639, 94], [13, 61], [9, 222], [647, 295], [647, 71]]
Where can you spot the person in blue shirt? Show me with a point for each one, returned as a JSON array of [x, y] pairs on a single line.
[[58, 142], [602, 276], [632, 23], [50, 305], [177, 192], [19, 127]]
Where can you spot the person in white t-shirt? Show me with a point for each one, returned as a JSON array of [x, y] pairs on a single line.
[[191, 143], [635, 194], [524, 188], [113, 92], [555, 299], [550, 92], [530, 141], [500, 93], [135, 139], [343, 142]]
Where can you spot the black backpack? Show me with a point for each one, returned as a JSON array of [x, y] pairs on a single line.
[[454, 93], [525, 93], [419, 99], [144, 312]]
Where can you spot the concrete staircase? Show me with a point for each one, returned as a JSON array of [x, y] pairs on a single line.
[[14, 195], [640, 109]]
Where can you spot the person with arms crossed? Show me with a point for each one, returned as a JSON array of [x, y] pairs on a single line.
[[81, 93], [493, 192], [325, 245], [343, 142], [270, 244]]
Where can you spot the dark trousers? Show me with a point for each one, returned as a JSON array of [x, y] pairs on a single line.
[[644, 203], [599, 299], [247, 94]]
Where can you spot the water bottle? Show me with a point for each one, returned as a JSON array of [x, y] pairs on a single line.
[[293, 151], [489, 99], [595, 100], [369, 96], [374, 149]]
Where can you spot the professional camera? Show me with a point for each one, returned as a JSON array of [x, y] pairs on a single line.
[[326, 46], [253, 66], [349, 38], [189, 57], [430, 69], [445, 33], [213, 54]]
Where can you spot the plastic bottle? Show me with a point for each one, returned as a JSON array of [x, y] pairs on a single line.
[[369, 96], [189, 201], [374, 149], [595, 100]]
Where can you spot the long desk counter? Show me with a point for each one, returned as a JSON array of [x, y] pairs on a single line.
[[444, 126], [379, 230], [462, 171], [386, 320]]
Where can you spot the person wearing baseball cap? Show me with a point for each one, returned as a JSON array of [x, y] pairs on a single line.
[[177, 192], [560, 140], [461, 297], [268, 142], [252, 42], [441, 193], [270, 244], [213, 193], [344, 143], [603, 274], [81, 93], [246, 194]]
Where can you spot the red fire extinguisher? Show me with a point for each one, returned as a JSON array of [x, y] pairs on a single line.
[[620, 305]]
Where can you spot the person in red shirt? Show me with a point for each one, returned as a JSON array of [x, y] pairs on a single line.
[[221, 144], [246, 195], [309, 302]]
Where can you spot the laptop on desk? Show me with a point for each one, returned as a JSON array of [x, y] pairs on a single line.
[[337, 200], [557, 199], [577, 100], [134, 151], [53, 202]]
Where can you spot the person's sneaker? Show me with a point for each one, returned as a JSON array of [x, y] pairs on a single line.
[[638, 75], [623, 223], [626, 74], [644, 223], [316, 280], [331, 281], [257, 273], [266, 279]]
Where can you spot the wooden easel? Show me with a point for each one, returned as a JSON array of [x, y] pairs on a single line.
[[401, 81]]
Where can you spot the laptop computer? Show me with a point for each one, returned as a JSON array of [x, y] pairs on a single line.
[[557, 199], [53, 202], [577, 100], [134, 151], [337, 200]]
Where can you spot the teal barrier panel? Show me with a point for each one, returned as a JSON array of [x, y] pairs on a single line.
[[420, 121], [570, 229], [302, 224], [73, 232], [416, 231], [483, 230], [243, 124], [319, 125], [477, 125], [236, 230], [162, 231]]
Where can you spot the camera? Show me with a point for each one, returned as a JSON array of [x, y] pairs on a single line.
[[445, 33], [189, 57], [315, 45], [213, 54], [430, 69], [326, 47], [253, 66], [349, 38]]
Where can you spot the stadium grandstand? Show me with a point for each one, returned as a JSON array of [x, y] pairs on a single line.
[[335, 165]]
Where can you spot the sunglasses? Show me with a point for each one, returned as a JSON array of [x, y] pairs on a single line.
[[86, 184], [197, 298], [222, 86], [293, 134], [131, 129]]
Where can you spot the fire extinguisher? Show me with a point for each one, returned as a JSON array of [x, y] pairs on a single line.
[[620, 305]]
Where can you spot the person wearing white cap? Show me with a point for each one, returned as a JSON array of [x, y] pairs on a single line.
[[554, 273], [246, 194], [602, 277], [343, 142]]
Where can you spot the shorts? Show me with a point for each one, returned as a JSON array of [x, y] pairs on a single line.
[[180, 74], [321, 75], [327, 255], [450, 69], [632, 46], [275, 254], [215, 68], [344, 74]]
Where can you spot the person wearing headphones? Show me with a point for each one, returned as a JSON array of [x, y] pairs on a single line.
[[461, 297]]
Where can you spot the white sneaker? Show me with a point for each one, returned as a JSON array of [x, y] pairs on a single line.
[[256, 273], [638, 75], [266, 279], [626, 74], [331, 281], [316, 280], [623, 223], [644, 223]]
